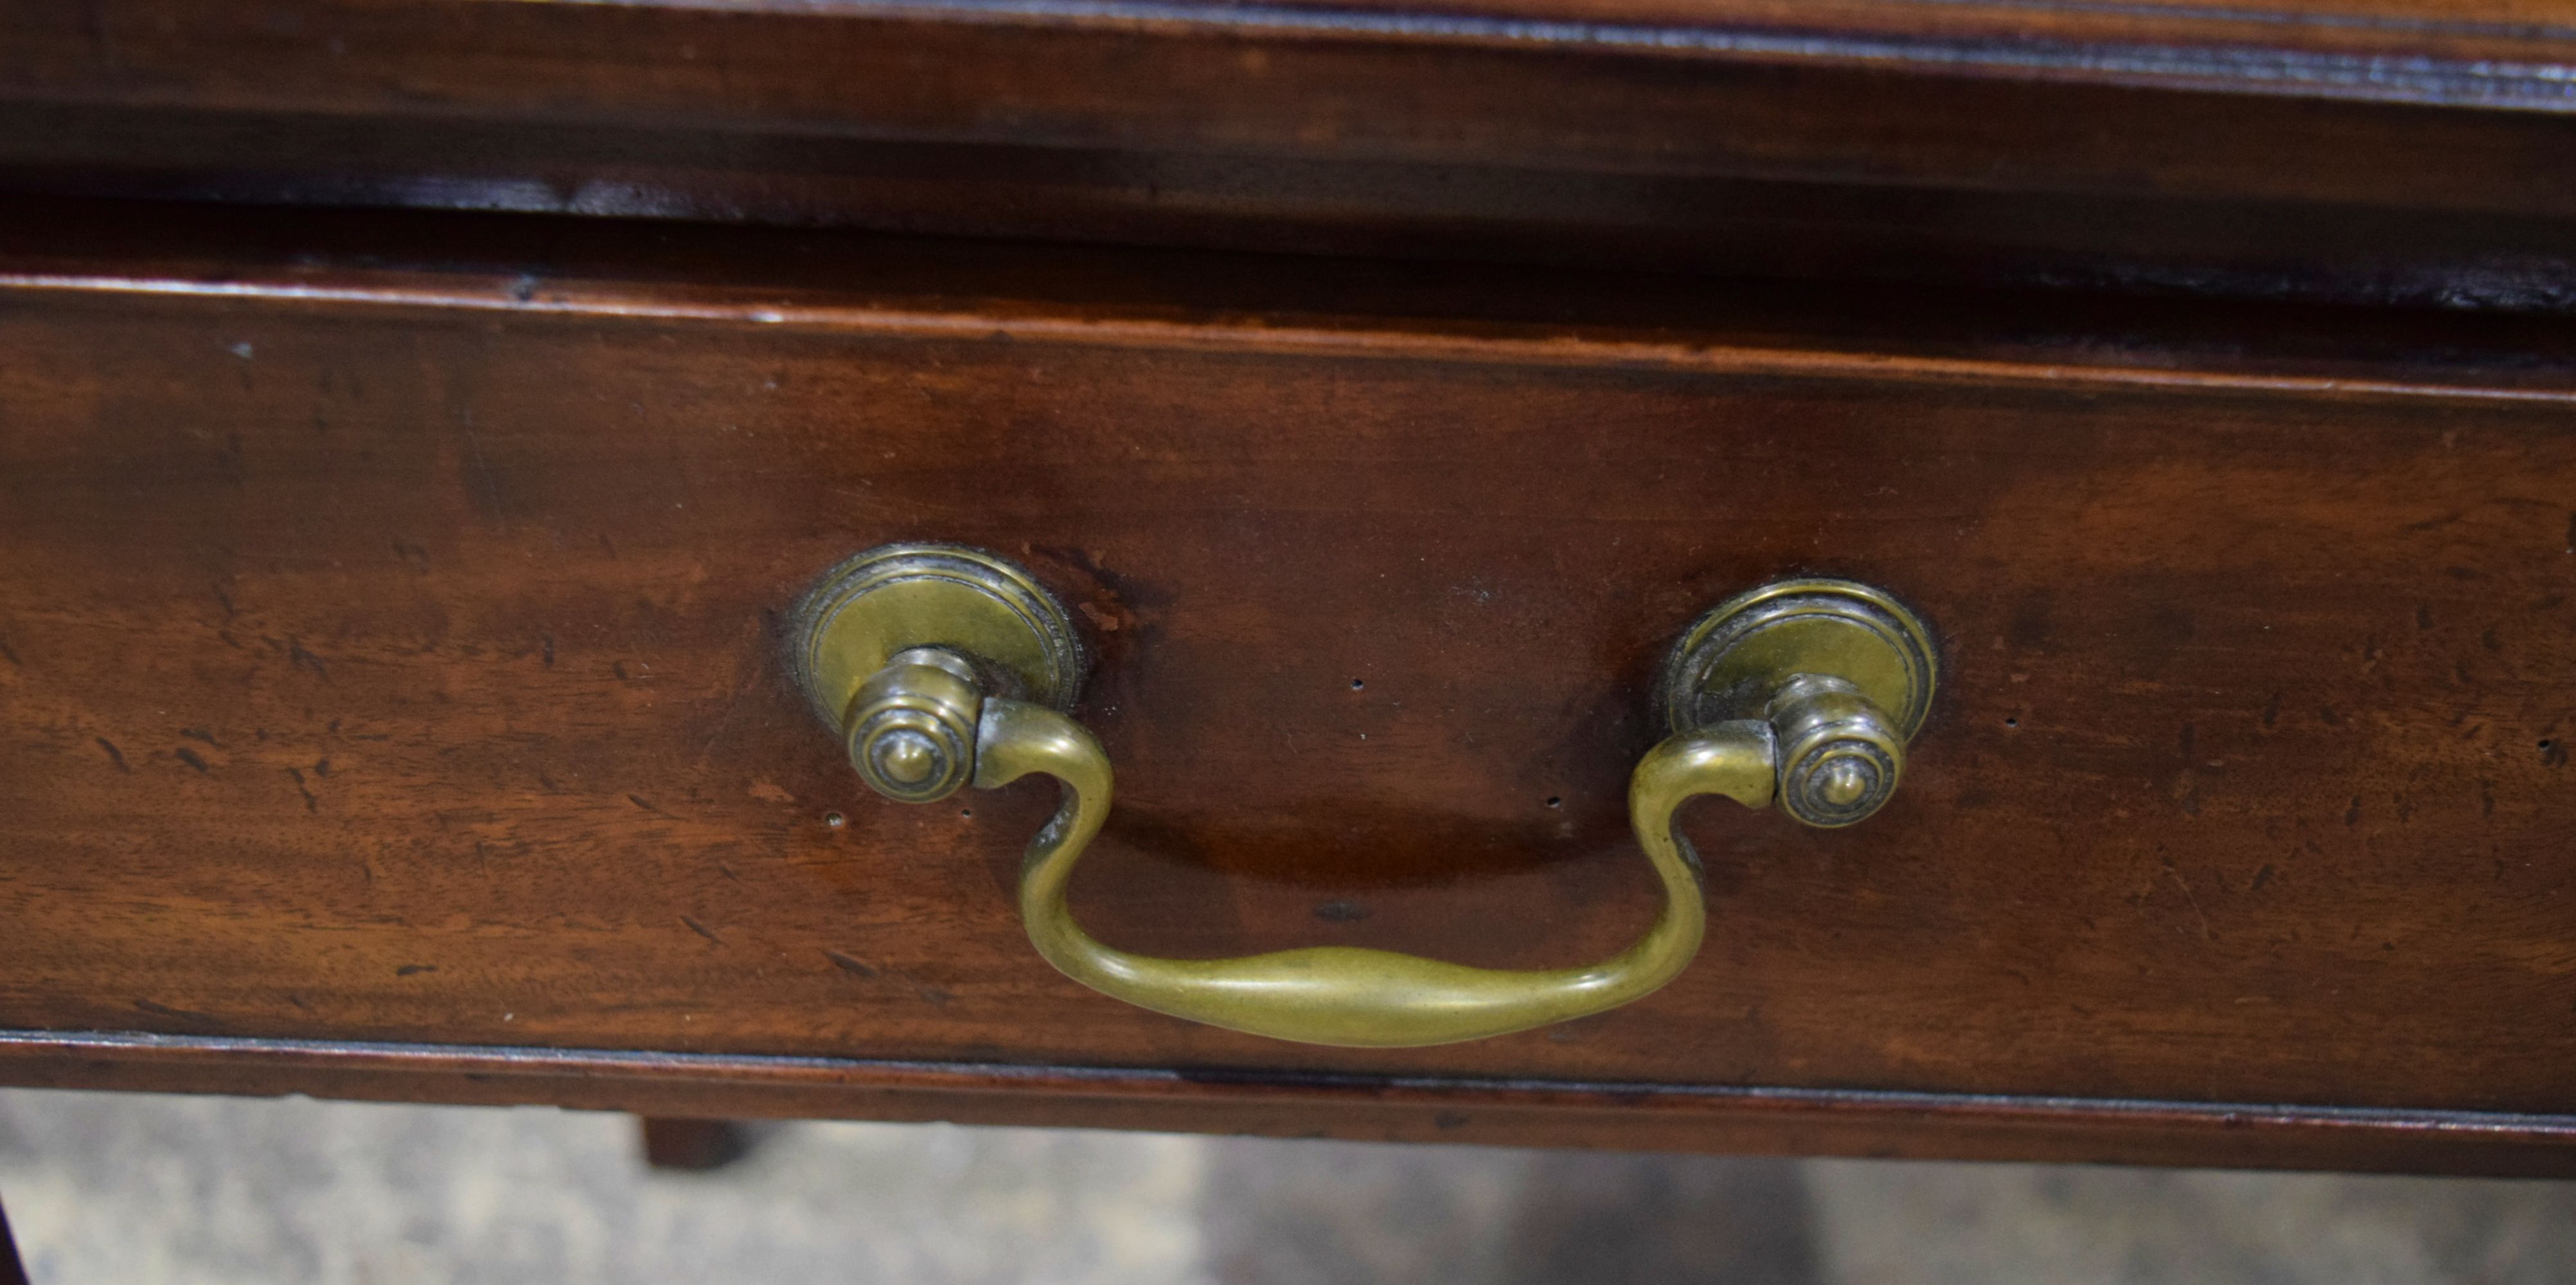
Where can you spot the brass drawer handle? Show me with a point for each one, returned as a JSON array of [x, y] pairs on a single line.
[[941, 665]]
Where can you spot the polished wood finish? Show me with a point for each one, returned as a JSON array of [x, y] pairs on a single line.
[[2367, 154], [389, 652], [1375, 1108]]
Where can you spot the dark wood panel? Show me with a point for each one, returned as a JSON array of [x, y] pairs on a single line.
[[390, 653], [2024, 144], [2348, 24], [1786, 229], [679, 270], [742, 56], [1632, 1117]]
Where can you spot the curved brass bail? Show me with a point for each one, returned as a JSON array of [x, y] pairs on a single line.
[[1784, 692], [1349, 995]]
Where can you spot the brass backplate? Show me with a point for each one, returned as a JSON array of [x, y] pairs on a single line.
[[1730, 661], [965, 601]]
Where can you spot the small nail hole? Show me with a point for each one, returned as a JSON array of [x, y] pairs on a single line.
[[965, 812], [835, 820], [1357, 684], [1555, 802], [2012, 722]]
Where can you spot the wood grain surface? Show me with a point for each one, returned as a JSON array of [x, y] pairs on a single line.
[[1289, 1104], [389, 651], [2407, 153]]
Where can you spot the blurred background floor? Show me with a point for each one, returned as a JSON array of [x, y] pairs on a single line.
[[125, 1189]]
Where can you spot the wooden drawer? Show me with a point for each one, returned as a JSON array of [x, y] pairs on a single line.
[[392, 698]]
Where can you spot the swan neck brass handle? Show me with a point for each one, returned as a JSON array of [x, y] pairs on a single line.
[[1349, 995], [920, 716]]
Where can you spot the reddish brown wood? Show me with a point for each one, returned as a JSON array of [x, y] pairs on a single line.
[[1632, 1117], [388, 652], [2380, 157], [1170, 297]]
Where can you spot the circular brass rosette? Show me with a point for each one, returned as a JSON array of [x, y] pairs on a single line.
[[1012, 636], [1842, 673]]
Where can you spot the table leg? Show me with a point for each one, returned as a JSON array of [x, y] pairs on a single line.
[[691, 1144], [13, 1270]]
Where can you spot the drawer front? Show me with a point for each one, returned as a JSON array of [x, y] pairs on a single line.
[[402, 661]]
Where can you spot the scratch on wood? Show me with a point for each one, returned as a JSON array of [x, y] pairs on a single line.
[[189, 757], [164, 1010], [114, 754], [860, 968], [408, 970], [310, 803], [295, 652], [701, 930], [2206, 932], [485, 479]]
